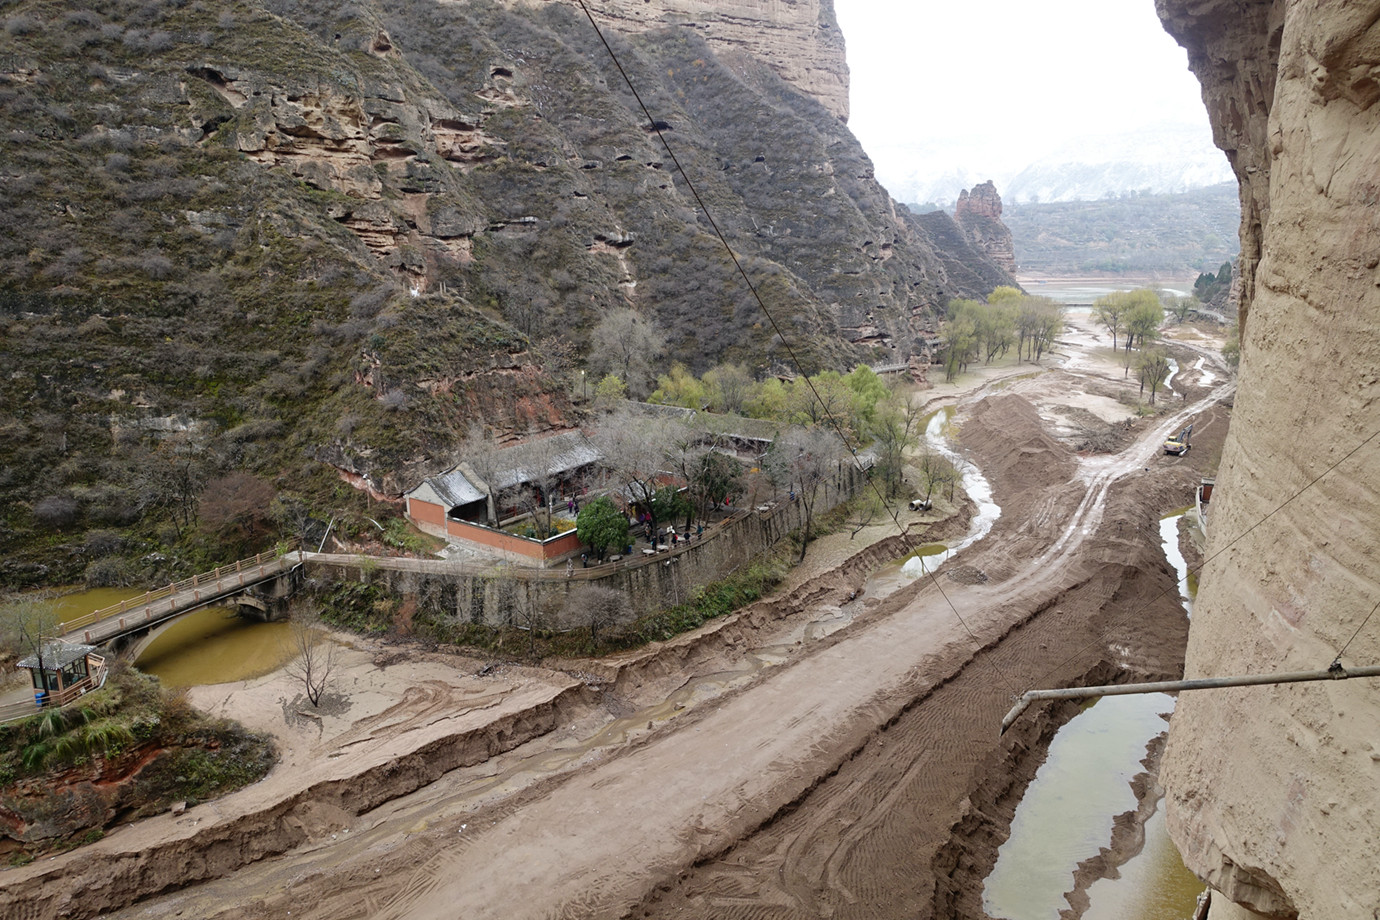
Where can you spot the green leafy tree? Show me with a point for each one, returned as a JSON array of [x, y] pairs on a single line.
[[1005, 295], [1110, 310], [896, 426], [601, 525], [1143, 319], [680, 388], [610, 391], [822, 397], [996, 330], [869, 391], [670, 503], [715, 478], [960, 338], [769, 399]]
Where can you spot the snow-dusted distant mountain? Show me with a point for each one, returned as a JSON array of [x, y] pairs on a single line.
[[1161, 159]]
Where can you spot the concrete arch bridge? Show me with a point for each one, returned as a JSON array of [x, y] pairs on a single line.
[[258, 588]]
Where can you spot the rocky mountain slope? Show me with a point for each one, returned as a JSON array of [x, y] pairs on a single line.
[[1173, 236], [1271, 790], [291, 237]]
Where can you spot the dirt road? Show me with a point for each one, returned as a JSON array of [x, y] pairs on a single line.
[[860, 775]]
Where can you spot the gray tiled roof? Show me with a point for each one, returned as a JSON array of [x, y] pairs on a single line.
[[571, 450], [57, 654]]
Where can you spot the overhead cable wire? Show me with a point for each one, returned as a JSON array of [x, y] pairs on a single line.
[[656, 126]]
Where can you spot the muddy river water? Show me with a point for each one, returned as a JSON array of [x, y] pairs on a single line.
[[1066, 813], [209, 646]]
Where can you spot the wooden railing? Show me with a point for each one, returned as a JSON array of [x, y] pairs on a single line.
[[94, 680], [214, 579]]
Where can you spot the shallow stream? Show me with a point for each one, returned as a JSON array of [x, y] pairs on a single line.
[[1066, 813]]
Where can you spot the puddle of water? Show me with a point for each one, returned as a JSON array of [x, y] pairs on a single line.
[[1169, 381], [1169, 540], [214, 646], [1066, 813], [1154, 884], [922, 561], [1206, 376]]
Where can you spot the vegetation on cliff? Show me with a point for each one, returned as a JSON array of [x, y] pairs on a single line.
[[126, 751], [289, 241]]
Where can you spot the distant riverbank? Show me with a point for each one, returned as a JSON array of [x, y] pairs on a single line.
[[1082, 291]]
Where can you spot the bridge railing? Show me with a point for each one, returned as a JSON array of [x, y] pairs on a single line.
[[256, 565]]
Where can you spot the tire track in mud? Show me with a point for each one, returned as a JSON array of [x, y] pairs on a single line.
[[887, 835], [875, 839]]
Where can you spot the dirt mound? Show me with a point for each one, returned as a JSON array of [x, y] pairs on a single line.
[[1019, 455]]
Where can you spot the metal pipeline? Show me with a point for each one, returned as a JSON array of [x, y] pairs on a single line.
[[1335, 672]]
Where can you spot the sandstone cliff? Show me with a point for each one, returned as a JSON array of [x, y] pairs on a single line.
[[800, 40], [1271, 791], [351, 231], [979, 214]]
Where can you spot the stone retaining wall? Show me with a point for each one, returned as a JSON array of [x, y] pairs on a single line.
[[517, 596]]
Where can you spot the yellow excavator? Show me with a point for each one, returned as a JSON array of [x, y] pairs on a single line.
[[1178, 444]]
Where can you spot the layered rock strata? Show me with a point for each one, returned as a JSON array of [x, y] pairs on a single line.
[[800, 40], [1271, 790], [979, 214]]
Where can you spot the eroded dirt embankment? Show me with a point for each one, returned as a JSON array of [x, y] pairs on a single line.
[[109, 876], [910, 823]]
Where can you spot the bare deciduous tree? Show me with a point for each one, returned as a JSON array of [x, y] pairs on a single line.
[[314, 656], [596, 607], [481, 464], [25, 621], [935, 471], [627, 344], [800, 459], [729, 385], [634, 451]]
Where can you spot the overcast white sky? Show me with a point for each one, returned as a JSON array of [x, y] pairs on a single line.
[[994, 84]]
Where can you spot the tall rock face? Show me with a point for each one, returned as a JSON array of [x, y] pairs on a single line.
[[979, 214], [1272, 790], [299, 230], [799, 40]]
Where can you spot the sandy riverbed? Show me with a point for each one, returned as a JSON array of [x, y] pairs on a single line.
[[856, 775]]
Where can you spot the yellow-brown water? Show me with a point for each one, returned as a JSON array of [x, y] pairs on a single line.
[[1154, 885], [208, 646], [214, 645], [1066, 815], [76, 604]]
